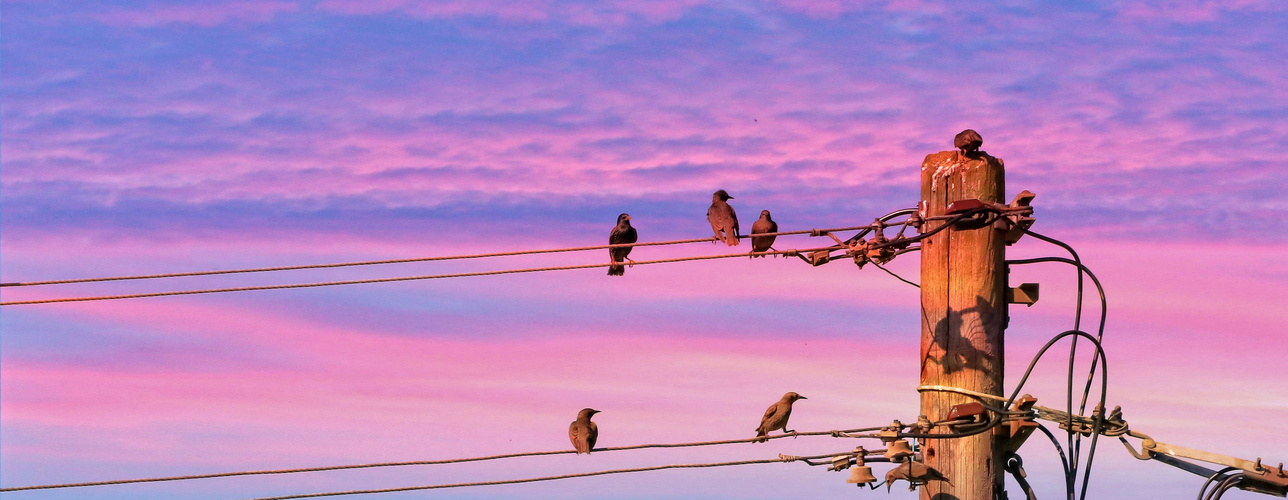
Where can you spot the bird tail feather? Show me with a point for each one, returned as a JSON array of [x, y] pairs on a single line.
[[616, 270]]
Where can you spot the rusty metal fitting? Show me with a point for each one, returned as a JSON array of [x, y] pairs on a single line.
[[878, 231], [915, 220], [923, 425], [861, 253], [973, 411], [819, 257], [890, 433]]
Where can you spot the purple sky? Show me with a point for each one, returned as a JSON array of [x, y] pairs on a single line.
[[142, 137]]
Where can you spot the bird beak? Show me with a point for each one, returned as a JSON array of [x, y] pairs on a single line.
[[803, 397], [628, 217]]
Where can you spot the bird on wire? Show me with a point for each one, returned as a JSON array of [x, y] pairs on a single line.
[[622, 233], [968, 141], [776, 416], [724, 221], [761, 226], [915, 473], [583, 432]]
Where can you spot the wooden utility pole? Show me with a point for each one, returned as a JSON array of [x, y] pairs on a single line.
[[963, 313]]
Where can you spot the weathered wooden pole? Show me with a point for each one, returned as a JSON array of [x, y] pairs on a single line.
[[963, 313]]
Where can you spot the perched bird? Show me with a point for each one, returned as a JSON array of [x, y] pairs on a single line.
[[968, 141], [583, 432], [722, 218], [776, 416], [763, 225], [915, 473], [622, 233]]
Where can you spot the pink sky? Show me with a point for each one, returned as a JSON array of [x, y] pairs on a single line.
[[143, 137]]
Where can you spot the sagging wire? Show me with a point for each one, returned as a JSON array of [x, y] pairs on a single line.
[[405, 261], [896, 276], [780, 459], [832, 433], [395, 279]]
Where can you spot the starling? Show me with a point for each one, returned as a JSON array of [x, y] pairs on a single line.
[[776, 416], [915, 473], [723, 219], [763, 225], [622, 233], [968, 141], [583, 432]]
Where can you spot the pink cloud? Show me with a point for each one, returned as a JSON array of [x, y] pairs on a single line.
[[612, 13], [200, 15], [1196, 11]]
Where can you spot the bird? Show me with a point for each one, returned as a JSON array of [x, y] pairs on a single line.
[[724, 221], [776, 416], [622, 233], [583, 432], [915, 473], [968, 141], [763, 225]]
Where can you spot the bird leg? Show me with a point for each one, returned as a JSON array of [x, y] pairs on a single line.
[[632, 262]]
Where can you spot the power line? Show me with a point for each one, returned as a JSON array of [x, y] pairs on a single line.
[[839, 433], [409, 260], [395, 279], [899, 243], [780, 459]]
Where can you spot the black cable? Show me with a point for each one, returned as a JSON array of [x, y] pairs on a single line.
[[1104, 387], [896, 276], [883, 218], [1219, 473], [1015, 465], [1225, 484], [948, 221], [1073, 347], [1064, 462], [1100, 333]]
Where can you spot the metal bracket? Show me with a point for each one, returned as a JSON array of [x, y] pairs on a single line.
[[1026, 293], [1256, 477], [1017, 431], [1015, 465], [1015, 224]]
